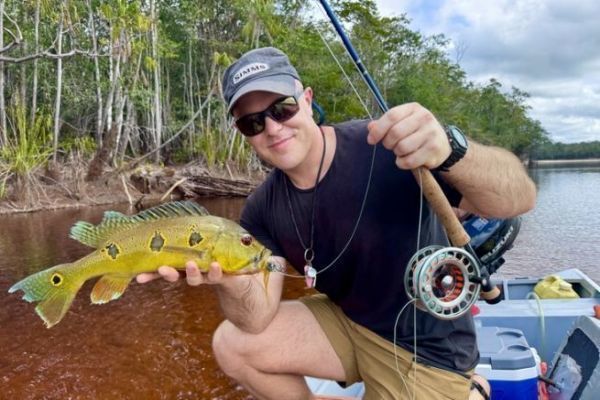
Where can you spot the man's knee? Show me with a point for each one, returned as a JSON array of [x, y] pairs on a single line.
[[225, 347]]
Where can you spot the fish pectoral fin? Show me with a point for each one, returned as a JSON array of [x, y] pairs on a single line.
[[109, 287]]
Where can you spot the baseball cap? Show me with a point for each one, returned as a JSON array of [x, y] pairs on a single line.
[[265, 69]]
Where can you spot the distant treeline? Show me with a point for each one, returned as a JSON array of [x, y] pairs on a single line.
[[114, 80], [566, 151]]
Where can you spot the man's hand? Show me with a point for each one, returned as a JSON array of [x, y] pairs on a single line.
[[414, 135], [193, 275], [245, 300]]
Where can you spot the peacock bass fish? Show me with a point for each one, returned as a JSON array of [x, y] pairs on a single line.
[[169, 234]]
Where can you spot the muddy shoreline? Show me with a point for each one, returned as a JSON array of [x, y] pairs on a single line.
[[140, 188]]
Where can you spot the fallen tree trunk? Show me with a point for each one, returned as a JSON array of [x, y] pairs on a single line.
[[205, 185], [192, 181]]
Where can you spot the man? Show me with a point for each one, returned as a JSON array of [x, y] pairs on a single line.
[[347, 332]]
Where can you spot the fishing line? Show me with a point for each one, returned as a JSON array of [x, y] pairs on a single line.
[[395, 348], [367, 187], [342, 68], [355, 228], [419, 225], [383, 105], [367, 79]]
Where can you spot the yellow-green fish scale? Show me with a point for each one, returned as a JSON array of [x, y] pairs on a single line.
[[126, 250]]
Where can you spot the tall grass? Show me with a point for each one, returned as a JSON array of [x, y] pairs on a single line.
[[218, 149], [27, 150]]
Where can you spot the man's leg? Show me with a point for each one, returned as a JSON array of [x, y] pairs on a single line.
[[272, 364]]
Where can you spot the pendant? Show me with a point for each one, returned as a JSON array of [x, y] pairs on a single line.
[[310, 276]]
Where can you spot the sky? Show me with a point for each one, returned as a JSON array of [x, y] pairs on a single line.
[[547, 48]]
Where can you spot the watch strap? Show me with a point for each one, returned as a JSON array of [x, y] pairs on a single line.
[[458, 150]]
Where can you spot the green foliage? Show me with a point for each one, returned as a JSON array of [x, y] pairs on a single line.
[[215, 149], [84, 146], [196, 43], [566, 151], [27, 150]]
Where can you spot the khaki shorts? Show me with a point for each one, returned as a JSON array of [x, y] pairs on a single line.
[[370, 358]]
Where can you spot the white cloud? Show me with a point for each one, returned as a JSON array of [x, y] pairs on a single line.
[[548, 48]]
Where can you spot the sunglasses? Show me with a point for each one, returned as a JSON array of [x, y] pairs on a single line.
[[281, 110]]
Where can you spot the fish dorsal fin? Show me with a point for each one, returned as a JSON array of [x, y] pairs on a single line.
[[171, 210], [94, 235], [113, 221]]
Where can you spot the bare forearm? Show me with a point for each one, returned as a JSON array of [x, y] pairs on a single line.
[[493, 182], [248, 304]]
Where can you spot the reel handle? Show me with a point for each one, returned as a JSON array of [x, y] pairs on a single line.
[[490, 293], [438, 201]]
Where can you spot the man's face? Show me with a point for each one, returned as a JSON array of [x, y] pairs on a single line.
[[281, 144]]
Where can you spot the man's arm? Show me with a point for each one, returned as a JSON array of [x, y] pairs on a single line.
[[492, 180], [248, 301]]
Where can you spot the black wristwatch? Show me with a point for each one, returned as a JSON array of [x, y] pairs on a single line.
[[458, 144]]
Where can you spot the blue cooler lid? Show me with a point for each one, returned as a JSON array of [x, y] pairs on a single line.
[[504, 348]]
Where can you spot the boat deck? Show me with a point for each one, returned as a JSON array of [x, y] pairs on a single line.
[[545, 323]]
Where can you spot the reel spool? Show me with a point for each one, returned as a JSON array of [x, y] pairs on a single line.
[[409, 275], [443, 280]]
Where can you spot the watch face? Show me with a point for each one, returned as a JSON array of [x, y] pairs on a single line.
[[458, 136]]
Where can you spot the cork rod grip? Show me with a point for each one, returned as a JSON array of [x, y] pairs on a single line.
[[438, 201]]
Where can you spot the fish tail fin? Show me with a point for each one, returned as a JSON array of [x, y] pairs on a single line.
[[53, 288], [54, 308]]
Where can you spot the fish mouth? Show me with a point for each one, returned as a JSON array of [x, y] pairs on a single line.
[[269, 264], [266, 266], [262, 258], [260, 262]]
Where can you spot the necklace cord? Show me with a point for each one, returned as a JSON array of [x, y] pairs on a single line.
[[308, 250], [354, 229]]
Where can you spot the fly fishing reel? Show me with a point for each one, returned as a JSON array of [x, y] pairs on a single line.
[[443, 280]]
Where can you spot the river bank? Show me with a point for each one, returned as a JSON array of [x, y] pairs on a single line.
[[564, 163], [143, 186], [149, 184]]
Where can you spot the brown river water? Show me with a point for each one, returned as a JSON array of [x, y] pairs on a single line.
[[154, 342]]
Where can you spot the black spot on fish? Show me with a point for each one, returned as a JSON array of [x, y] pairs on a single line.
[[56, 279], [113, 251], [195, 238], [157, 242]]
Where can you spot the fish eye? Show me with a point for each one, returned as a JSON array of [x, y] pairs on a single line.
[[246, 240], [56, 279]]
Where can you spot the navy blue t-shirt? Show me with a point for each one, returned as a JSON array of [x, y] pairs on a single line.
[[367, 281]]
